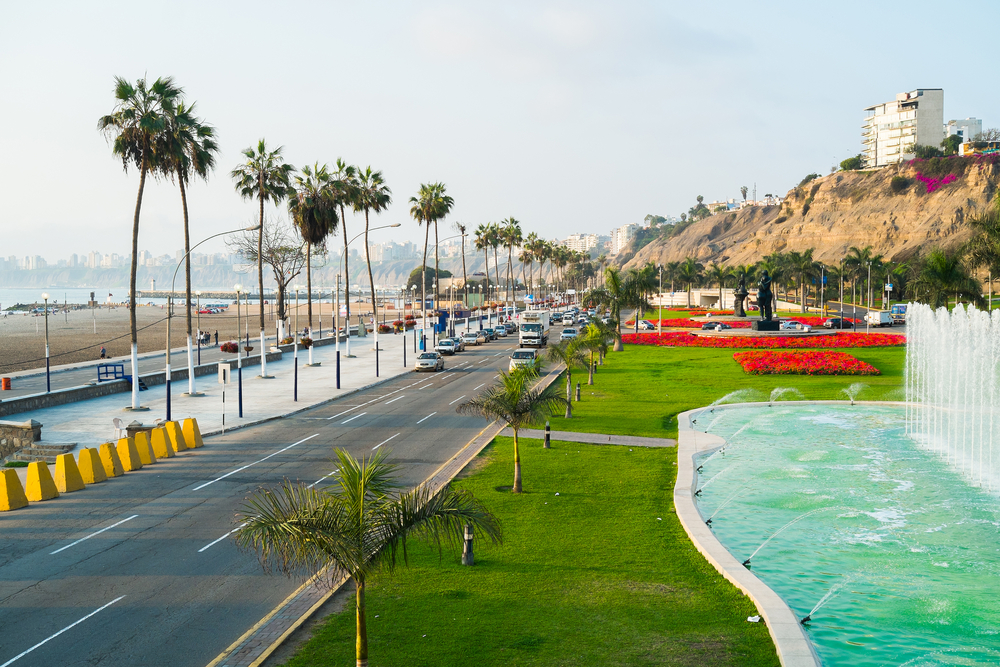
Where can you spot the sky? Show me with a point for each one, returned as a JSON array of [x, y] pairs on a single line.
[[572, 117]]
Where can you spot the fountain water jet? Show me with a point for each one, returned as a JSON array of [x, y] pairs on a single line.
[[822, 601], [778, 392], [789, 525], [853, 391]]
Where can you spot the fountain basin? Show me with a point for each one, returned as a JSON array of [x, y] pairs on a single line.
[[904, 548]]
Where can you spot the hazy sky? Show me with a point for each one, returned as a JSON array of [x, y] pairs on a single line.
[[569, 116]]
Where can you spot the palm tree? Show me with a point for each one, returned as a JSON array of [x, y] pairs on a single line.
[[614, 296], [372, 195], [430, 204], [602, 261], [530, 245], [671, 270], [189, 149], [805, 266], [593, 340], [569, 354], [313, 209], [360, 527], [983, 249], [496, 239], [717, 273], [517, 402], [344, 182], [858, 261], [462, 228], [482, 241], [510, 236], [136, 127], [442, 207], [943, 275], [690, 272], [264, 177], [738, 272]]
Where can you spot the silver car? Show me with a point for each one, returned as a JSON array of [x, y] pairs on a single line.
[[429, 361], [473, 338]]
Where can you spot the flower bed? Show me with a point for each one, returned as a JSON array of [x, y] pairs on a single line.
[[840, 339], [687, 323], [229, 348], [811, 362]]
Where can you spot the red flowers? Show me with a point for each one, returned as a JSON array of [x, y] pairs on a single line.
[[839, 339], [812, 362]]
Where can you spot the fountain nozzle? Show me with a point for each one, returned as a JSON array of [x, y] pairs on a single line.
[[746, 563], [709, 522], [698, 492], [699, 468], [806, 619]]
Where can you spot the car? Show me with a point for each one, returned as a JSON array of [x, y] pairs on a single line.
[[472, 338], [501, 331], [446, 346], [583, 319], [792, 325], [567, 319], [459, 343], [646, 325], [568, 334], [491, 333], [429, 361], [523, 357], [606, 320], [714, 326], [838, 323]]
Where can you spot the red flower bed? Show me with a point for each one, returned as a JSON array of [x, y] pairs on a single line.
[[812, 362], [839, 339], [810, 320]]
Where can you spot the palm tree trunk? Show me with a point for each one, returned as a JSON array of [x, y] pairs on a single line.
[[437, 272], [347, 280], [260, 280], [510, 270], [362, 624], [517, 466], [569, 393], [802, 291], [689, 295], [590, 380], [423, 277], [131, 287], [187, 282], [486, 287], [496, 266], [309, 286], [371, 283]]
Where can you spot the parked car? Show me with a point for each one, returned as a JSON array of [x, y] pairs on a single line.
[[501, 331], [459, 343], [567, 319], [567, 334], [715, 326], [523, 357], [646, 325], [429, 361], [792, 325], [491, 333], [446, 346], [473, 338], [837, 323]]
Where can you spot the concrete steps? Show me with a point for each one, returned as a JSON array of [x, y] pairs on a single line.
[[47, 452]]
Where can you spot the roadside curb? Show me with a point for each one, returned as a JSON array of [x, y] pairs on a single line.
[[258, 643]]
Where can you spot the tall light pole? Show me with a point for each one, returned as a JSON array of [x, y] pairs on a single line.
[[659, 301], [198, 308], [239, 353], [295, 348], [48, 384], [868, 319]]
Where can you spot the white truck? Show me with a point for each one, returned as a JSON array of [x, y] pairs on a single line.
[[534, 328], [878, 318]]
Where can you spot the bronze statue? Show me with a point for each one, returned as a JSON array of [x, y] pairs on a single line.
[[739, 296], [764, 297]]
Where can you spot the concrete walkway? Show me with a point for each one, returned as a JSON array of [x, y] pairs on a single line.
[[595, 438]]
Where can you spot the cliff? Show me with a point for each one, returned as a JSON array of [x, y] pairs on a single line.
[[924, 207]]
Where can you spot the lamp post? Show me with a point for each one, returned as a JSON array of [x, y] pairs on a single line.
[[48, 384], [239, 354], [198, 312], [659, 301], [295, 348], [868, 319]]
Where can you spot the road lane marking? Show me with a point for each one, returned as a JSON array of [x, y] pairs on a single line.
[[214, 542], [92, 534], [428, 417], [383, 442], [479, 386], [395, 399], [486, 359], [68, 627], [322, 478], [457, 399], [283, 449], [350, 419], [346, 411], [425, 386]]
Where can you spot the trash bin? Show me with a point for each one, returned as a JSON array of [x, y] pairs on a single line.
[[4, 384]]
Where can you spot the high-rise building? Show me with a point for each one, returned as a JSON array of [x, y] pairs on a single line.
[[891, 129], [620, 237], [581, 242]]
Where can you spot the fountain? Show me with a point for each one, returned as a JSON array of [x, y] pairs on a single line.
[[822, 601], [791, 523], [853, 391], [779, 392]]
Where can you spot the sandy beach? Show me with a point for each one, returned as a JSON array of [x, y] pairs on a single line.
[[72, 336]]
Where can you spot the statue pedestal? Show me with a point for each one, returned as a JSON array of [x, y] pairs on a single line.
[[764, 325], [740, 296]]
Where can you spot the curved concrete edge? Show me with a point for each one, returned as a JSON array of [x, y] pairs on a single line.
[[794, 648]]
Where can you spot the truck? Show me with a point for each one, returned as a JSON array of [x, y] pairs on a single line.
[[898, 312], [878, 318], [534, 330]]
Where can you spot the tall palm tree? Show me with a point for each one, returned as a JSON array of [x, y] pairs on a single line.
[[858, 261], [516, 401], [135, 128], [803, 264], [983, 249], [671, 270], [614, 296], [372, 195], [569, 354], [189, 149], [496, 240], [530, 248], [313, 209], [481, 238], [510, 236], [344, 181], [462, 229], [602, 261], [359, 527], [941, 276], [718, 274], [427, 206], [690, 273], [441, 208], [264, 177]]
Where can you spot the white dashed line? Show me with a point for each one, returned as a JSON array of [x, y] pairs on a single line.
[[283, 449], [427, 417], [51, 637], [350, 419], [457, 399], [346, 411], [322, 478], [214, 542], [383, 442], [92, 535], [479, 386], [395, 399], [426, 385]]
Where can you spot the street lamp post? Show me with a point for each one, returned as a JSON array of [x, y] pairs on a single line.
[[198, 309], [48, 384], [295, 347], [239, 353]]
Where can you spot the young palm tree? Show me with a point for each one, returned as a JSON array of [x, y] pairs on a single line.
[[136, 127], [359, 528], [189, 149], [569, 354], [264, 177], [983, 249], [462, 228], [372, 195], [481, 238], [517, 402], [592, 340], [344, 181], [942, 276], [690, 273], [313, 209], [530, 247]]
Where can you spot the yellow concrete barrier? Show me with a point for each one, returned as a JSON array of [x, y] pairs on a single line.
[[142, 446], [176, 436], [68, 477], [91, 467], [160, 443], [128, 455], [11, 492], [192, 434], [39, 485], [109, 459]]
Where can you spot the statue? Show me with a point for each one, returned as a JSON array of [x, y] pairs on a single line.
[[764, 297], [739, 296]]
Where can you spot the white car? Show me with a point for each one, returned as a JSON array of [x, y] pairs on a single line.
[[567, 319], [522, 358], [429, 361], [446, 346], [567, 334], [473, 338]]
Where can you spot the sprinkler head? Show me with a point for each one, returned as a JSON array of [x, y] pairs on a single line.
[[806, 619], [709, 522], [698, 492], [746, 563], [699, 468]]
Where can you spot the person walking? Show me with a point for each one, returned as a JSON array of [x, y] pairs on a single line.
[[104, 353]]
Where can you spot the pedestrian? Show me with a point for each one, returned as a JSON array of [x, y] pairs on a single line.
[[104, 353], [216, 337]]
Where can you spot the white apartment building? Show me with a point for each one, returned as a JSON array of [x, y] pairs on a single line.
[[891, 129], [621, 236], [581, 242], [966, 129]]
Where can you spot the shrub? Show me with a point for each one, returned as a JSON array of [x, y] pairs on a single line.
[[229, 348], [814, 189], [410, 318], [899, 184], [809, 177], [806, 206], [852, 163]]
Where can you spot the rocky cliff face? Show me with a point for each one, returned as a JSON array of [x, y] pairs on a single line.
[[833, 213]]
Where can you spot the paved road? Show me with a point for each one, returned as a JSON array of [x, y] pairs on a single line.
[[164, 584]]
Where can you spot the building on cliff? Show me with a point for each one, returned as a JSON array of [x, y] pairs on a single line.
[[891, 129]]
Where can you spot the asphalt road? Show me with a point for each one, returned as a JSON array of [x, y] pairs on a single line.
[[163, 584]]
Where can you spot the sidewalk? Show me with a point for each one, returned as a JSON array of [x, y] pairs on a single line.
[[594, 438], [89, 423]]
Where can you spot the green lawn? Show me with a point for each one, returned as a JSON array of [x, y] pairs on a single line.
[[642, 390], [588, 577]]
